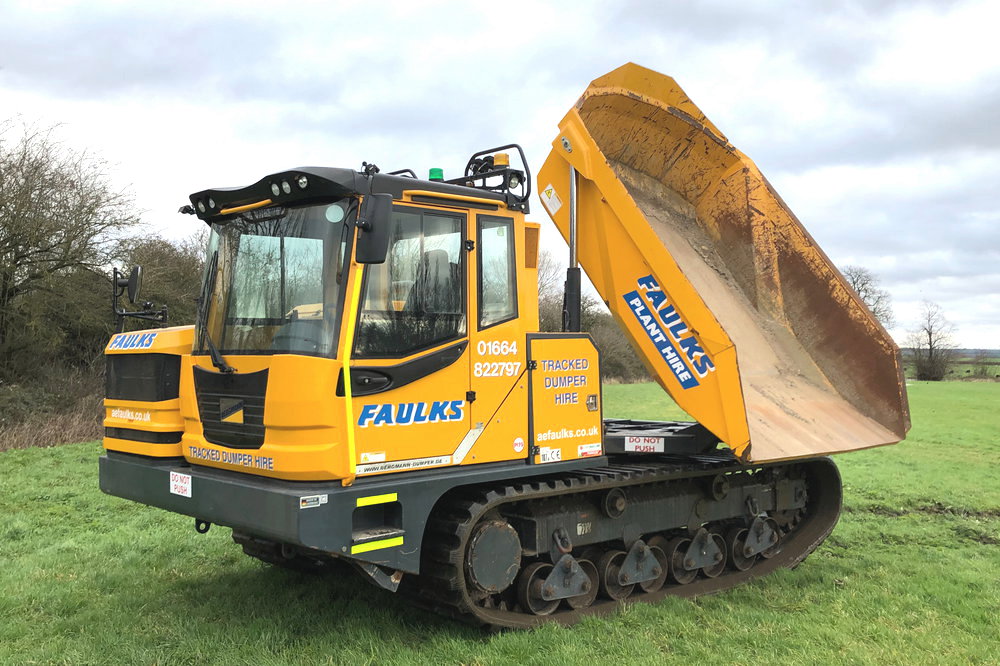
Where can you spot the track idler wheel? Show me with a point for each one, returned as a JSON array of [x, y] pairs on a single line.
[[588, 597], [736, 547], [675, 551], [608, 568], [493, 556], [529, 589]]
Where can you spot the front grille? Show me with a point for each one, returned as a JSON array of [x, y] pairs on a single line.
[[236, 396], [146, 377]]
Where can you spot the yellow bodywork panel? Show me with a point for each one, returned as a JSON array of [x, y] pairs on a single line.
[[736, 311], [565, 398], [505, 431], [173, 340], [416, 426], [151, 417], [304, 437], [137, 420]]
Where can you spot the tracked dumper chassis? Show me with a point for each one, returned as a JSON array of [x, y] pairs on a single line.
[[519, 553], [524, 545]]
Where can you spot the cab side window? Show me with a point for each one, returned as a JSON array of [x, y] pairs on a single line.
[[497, 278], [416, 299]]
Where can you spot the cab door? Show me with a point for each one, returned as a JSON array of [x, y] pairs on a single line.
[[497, 343], [410, 364]]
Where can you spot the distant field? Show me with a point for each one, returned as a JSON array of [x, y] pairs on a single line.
[[968, 369], [910, 575], [974, 364]]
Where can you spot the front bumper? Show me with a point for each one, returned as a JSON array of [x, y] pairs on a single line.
[[270, 508], [379, 519]]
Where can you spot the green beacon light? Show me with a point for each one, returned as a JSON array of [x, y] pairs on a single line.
[[436, 174]]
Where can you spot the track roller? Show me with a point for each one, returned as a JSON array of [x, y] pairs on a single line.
[[658, 546], [529, 589], [608, 568], [675, 551], [713, 570], [736, 543]]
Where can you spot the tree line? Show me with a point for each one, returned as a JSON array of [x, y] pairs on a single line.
[[63, 226]]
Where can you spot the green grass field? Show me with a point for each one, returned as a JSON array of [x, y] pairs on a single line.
[[910, 575]]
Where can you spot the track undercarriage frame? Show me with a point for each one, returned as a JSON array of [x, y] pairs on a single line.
[[521, 552]]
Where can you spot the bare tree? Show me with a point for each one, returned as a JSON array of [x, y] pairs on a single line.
[[551, 274], [59, 214], [932, 343], [866, 284], [551, 277]]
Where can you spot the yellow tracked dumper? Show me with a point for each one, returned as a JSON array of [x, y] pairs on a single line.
[[366, 384]]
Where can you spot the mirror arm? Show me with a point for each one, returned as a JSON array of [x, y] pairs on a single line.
[[158, 316]]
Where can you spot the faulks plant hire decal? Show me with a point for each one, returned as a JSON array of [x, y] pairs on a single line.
[[132, 341], [668, 332], [411, 413]]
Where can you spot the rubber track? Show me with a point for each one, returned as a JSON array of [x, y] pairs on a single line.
[[441, 584]]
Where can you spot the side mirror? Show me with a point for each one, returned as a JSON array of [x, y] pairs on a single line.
[[373, 225], [133, 283]]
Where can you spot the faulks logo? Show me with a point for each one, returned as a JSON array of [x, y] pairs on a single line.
[[411, 413], [665, 327], [132, 341]]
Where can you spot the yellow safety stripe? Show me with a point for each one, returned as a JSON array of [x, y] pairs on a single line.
[[376, 545], [352, 315], [409, 194], [377, 499], [241, 209]]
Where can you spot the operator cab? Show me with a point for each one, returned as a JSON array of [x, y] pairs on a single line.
[[279, 250], [354, 323]]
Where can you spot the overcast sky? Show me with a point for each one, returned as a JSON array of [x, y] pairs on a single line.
[[878, 122]]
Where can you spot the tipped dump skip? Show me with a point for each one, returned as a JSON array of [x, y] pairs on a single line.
[[813, 371]]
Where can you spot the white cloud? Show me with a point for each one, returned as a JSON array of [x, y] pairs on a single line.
[[875, 121], [934, 47]]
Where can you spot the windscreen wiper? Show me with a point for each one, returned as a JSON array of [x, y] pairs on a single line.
[[217, 359], [206, 336]]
